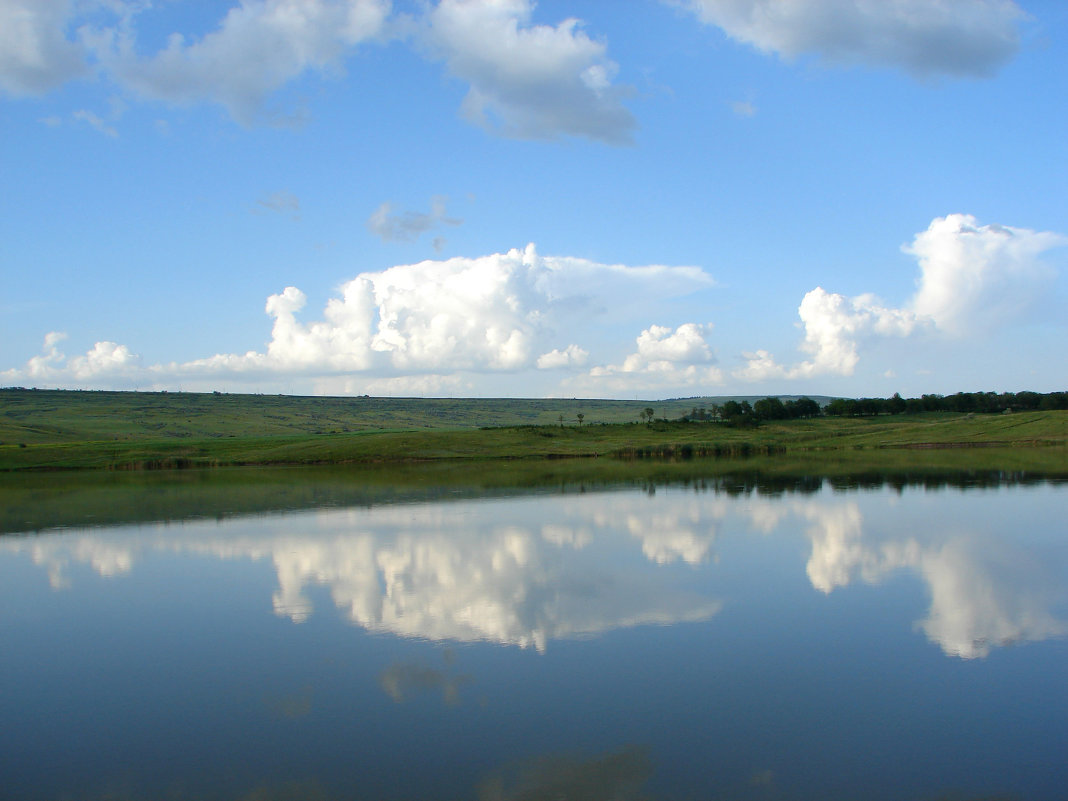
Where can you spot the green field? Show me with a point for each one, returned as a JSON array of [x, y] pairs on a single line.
[[108, 430], [48, 416]]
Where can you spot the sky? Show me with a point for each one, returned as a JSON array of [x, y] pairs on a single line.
[[503, 198]]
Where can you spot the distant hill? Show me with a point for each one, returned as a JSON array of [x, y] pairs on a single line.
[[61, 415]]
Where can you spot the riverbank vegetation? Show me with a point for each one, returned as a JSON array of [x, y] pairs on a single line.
[[114, 430]]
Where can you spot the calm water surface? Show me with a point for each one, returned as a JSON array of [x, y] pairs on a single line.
[[676, 643]]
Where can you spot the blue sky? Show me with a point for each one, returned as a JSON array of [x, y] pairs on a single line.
[[506, 198]]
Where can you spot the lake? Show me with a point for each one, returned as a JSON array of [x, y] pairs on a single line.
[[713, 638]]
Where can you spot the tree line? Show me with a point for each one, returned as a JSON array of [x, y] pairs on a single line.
[[974, 402], [743, 411], [771, 408]]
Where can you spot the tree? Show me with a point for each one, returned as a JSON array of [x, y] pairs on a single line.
[[802, 407], [580, 417], [770, 409], [842, 407]]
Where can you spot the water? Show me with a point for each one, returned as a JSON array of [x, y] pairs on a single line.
[[676, 642]]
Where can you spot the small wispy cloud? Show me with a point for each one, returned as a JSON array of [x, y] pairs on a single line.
[[281, 201], [925, 39], [408, 226], [95, 122], [743, 108]]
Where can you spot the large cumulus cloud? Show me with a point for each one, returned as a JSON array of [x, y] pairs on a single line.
[[973, 279], [976, 277], [416, 326]]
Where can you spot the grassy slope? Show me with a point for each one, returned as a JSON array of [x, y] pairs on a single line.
[[50, 416], [43, 429]]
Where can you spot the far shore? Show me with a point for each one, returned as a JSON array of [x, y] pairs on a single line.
[[114, 431]]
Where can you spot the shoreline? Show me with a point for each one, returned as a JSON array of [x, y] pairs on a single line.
[[814, 440]]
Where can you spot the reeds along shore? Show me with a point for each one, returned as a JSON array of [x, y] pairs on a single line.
[[698, 450]]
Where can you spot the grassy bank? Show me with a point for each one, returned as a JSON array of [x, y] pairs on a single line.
[[85, 430]]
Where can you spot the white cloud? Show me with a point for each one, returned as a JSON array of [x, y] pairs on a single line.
[[421, 386], [258, 47], [973, 278], [410, 225], [833, 323], [280, 201], [41, 366], [426, 328], [485, 313], [95, 122], [760, 365], [976, 277], [104, 359], [658, 344], [924, 38], [665, 358], [35, 53], [527, 81], [571, 356], [461, 313], [105, 362], [743, 108]]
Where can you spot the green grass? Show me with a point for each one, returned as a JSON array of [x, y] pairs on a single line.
[[49, 416], [108, 430]]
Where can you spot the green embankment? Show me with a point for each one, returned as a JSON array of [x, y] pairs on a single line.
[[102, 430]]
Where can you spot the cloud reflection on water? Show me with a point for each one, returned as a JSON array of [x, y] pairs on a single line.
[[986, 591], [530, 570]]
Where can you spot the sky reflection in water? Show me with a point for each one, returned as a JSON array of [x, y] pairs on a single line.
[[673, 644]]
